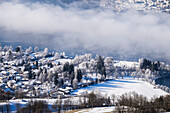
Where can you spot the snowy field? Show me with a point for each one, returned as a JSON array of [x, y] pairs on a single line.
[[121, 86], [97, 110]]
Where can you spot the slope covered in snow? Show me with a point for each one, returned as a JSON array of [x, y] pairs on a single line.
[[97, 110], [121, 86]]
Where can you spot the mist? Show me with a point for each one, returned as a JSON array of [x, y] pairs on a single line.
[[128, 35]]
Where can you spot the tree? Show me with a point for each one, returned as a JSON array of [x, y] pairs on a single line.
[[36, 64], [17, 49], [108, 62], [91, 99], [30, 74], [8, 95], [68, 68], [50, 76], [6, 48], [8, 108], [36, 49], [29, 50], [71, 69], [57, 56], [56, 78], [36, 107], [19, 94], [9, 54], [60, 82], [72, 78], [65, 67], [57, 106], [45, 51], [67, 104], [2, 108], [100, 66], [75, 81], [79, 75], [18, 107]]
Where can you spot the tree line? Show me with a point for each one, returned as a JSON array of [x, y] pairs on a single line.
[[126, 103]]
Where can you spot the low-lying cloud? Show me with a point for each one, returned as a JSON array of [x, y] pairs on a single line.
[[99, 30]]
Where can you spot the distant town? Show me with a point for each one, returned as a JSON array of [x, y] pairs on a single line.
[[140, 5]]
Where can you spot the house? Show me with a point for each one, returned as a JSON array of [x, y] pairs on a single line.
[[8, 90], [2, 85]]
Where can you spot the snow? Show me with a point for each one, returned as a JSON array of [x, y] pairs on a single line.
[[126, 64], [63, 61], [97, 110], [121, 86]]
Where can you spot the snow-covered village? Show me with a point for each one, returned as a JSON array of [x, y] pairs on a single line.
[[141, 5], [27, 75]]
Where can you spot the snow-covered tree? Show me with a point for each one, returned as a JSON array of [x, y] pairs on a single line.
[[36, 49], [76, 60], [50, 76], [122, 74], [75, 81], [29, 50], [45, 51], [64, 54], [60, 81], [43, 77], [9, 54], [10, 48], [139, 73], [87, 57], [153, 82], [167, 89], [6, 48], [108, 62], [57, 56], [116, 74]]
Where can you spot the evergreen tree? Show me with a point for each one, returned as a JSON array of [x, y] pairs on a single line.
[[147, 64], [36, 64], [72, 78], [17, 49], [56, 78], [65, 67], [71, 68], [100, 66], [79, 75], [30, 74]]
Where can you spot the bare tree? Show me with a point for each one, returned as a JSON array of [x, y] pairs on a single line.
[[57, 106]]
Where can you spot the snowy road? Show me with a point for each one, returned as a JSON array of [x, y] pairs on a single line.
[[120, 86]]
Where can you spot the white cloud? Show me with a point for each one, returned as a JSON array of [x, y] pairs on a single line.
[[126, 32]]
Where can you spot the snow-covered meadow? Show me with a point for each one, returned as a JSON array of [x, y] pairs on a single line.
[[121, 86], [97, 110]]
